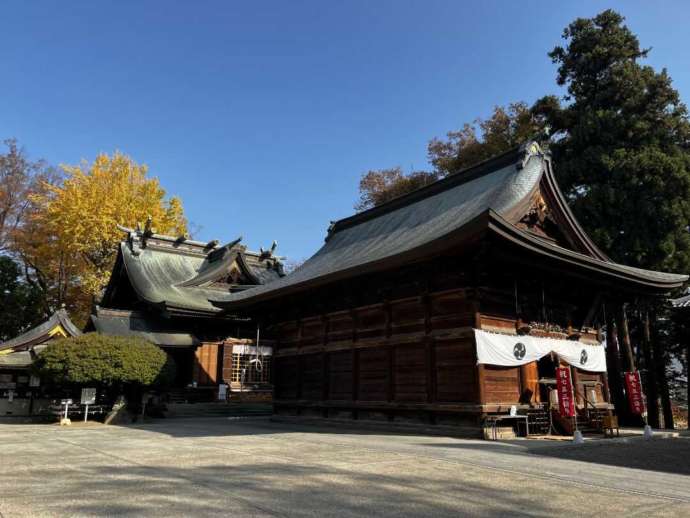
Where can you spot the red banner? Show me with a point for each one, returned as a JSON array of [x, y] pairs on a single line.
[[564, 385], [633, 385]]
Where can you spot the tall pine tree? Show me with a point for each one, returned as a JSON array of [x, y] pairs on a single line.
[[620, 145]]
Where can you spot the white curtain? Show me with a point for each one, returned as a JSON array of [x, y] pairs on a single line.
[[514, 350], [251, 349]]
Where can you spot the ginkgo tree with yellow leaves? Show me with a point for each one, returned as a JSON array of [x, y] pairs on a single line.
[[70, 237]]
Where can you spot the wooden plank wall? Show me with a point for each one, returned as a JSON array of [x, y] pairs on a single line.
[[410, 358], [206, 364]]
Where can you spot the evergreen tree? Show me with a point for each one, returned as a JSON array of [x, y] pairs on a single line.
[[20, 303], [620, 145]]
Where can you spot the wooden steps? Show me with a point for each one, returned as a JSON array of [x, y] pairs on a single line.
[[539, 422], [218, 409]]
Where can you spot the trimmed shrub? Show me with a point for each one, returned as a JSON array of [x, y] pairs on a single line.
[[108, 361]]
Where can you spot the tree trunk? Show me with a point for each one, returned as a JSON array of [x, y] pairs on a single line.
[[614, 367], [651, 388], [660, 365]]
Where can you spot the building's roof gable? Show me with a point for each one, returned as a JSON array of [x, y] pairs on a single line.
[[653, 280], [441, 216], [418, 219], [58, 325], [231, 262], [180, 275]]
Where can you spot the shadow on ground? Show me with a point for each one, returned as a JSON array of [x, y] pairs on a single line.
[[280, 489], [662, 455]]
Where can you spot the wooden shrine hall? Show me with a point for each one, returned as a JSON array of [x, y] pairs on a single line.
[[21, 392], [159, 290], [448, 305]]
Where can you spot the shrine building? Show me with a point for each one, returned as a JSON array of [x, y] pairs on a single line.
[[159, 290], [448, 305]]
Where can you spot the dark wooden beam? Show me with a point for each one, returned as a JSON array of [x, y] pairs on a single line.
[[325, 371]]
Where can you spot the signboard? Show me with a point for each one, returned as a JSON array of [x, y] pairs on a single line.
[[222, 392], [88, 396], [65, 401], [564, 386], [633, 386]]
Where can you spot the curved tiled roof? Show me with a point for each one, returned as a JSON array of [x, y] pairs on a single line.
[[181, 275], [41, 333], [440, 216]]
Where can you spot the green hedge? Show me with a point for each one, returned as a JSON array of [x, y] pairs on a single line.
[[104, 360]]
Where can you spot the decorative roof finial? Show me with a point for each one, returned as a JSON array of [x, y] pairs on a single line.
[[527, 150], [330, 230], [268, 254]]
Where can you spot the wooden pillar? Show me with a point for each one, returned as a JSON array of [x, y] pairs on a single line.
[[605, 387], [652, 384], [325, 374], [355, 361], [576, 387], [390, 393], [299, 361], [196, 367], [478, 265], [525, 396], [390, 351], [481, 372], [430, 364], [220, 356]]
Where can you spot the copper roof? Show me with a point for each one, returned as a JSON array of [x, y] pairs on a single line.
[[486, 198]]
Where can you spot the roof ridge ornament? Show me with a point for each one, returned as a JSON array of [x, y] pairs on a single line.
[[233, 243], [528, 150], [133, 237], [148, 230], [219, 252], [267, 254], [331, 229]]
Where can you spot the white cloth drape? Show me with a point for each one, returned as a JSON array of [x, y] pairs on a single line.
[[251, 349], [514, 350]]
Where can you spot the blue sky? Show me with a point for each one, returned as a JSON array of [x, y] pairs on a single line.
[[263, 115]]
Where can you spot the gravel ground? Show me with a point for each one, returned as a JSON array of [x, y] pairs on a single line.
[[254, 467]]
